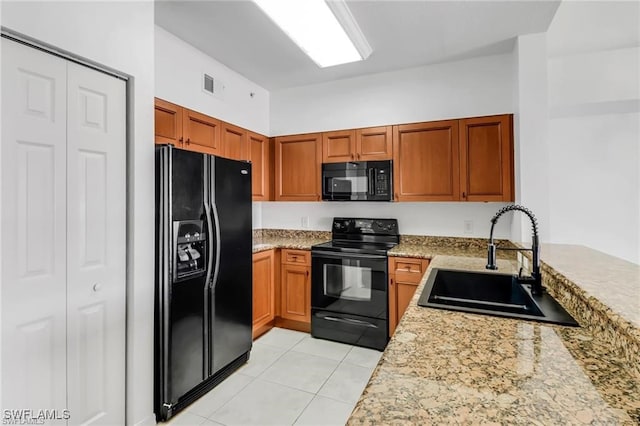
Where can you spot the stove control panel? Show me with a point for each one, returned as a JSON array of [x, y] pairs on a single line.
[[360, 226]]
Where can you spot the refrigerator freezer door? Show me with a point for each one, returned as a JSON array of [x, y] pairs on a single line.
[[180, 310], [231, 295]]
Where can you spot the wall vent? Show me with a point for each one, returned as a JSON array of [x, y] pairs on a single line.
[[207, 84]]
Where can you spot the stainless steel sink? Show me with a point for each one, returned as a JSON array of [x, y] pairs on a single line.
[[491, 294]]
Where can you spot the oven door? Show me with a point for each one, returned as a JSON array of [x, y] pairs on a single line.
[[350, 283]]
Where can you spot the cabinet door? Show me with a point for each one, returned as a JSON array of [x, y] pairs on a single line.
[[234, 141], [296, 293], [426, 161], [339, 146], [259, 155], [297, 161], [374, 144], [263, 292], [168, 123], [201, 133], [486, 158]]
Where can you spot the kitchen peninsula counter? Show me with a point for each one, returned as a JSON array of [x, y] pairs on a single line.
[[453, 367]]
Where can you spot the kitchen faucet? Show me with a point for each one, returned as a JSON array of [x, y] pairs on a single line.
[[535, 279]]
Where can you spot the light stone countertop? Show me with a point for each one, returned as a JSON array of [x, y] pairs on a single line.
[[611, 280], [444, 367], [452, 367]]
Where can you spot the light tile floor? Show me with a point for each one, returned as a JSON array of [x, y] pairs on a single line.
[[290, 379]]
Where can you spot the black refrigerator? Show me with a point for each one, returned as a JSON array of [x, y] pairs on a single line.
[[203, 309]]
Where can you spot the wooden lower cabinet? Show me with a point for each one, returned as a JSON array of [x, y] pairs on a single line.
[[405, 275], [295, 290], [263, 292]]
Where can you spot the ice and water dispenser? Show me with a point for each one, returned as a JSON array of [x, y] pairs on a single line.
[[191, 241]]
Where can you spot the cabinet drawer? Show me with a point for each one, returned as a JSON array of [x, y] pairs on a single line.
[[296, 257], [408, 270]]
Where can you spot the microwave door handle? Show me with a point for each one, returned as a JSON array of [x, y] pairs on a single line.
[[371, 172]]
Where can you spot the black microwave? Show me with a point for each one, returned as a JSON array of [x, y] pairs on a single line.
[[357, 181]]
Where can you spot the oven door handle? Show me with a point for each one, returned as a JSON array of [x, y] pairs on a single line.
[[347, 255], [351, 321]]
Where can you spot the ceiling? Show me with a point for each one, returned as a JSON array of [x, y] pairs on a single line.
[[403, 34]]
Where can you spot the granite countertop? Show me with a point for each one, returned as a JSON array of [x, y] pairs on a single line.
[[452, 367], [288, 239]]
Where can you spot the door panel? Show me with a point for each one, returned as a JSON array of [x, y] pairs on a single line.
[[201, 133], [339, 146], [234, 141], [263, 289], [296, 293], [260, 157], [426, 161], [96, 143], [168, 123], [297, 162], [33, 194], [486, 152], [374, 144]]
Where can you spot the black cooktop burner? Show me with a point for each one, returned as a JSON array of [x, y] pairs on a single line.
[[356, 235]]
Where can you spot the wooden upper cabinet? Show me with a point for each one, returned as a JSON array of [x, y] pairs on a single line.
[[234, 142], [339, 146], [426, 161], [374, 144], [201, 133], [298, 160], [260, 157], [168, 123], [486, 158], [371, 144]]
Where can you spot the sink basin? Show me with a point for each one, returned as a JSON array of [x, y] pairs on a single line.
[[490, 294]]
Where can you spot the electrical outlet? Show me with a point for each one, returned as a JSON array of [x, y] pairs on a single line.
[[304, 221], [468, 227]]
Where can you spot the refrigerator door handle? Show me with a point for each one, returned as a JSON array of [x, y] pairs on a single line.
[[216, 267], [207, 212]]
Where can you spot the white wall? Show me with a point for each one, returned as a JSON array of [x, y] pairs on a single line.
[[179, 68], [530, 133], [442, 219], [474, 87], [467, 88], [594, 126], [118, 35]]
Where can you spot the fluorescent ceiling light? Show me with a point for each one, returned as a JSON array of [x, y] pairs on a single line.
[[319, 29]]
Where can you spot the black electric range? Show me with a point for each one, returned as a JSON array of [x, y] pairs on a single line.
[[349, 296]]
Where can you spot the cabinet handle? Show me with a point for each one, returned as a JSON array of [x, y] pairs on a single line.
[[464, 194], [181, 139], [390, 281], [188, 141], [353, 157], [307, 272], [358, 156]]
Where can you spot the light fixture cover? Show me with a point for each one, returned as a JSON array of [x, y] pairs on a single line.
[[325, 31]]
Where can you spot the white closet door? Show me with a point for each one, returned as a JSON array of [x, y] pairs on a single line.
[[96, 227], [33, 205]]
